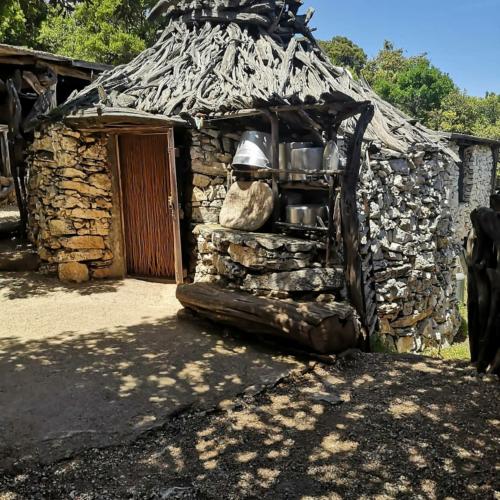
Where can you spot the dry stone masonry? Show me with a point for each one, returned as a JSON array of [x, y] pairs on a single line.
[[70, 203], [408, 226], [477, 186], [263, 264], [211, 156]]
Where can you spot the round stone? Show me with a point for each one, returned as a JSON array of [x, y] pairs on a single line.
[[247, 207]]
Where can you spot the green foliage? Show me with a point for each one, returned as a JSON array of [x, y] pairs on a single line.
[[412, 84], [12, 23], [344, 52], [420, 89], [108, 31], [458, 352]]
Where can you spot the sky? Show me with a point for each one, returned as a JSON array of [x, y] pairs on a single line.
[[461, 37]]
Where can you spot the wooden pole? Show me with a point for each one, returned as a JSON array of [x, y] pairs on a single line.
[[174, 207], [350, 220]]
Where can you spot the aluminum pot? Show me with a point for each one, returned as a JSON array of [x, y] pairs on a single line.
[[254, 151], [310, 159], [286, 149], [306, 215]]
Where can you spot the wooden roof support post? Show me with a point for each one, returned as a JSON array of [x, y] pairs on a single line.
[[174, 208], [350, 220], [275, 160]]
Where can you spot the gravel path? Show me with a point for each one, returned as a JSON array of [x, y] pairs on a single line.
[[373, 426]]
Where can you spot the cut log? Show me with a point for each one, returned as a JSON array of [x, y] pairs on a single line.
[[325, 329]]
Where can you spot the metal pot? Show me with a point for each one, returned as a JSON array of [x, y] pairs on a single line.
[[306, 215], [254, 151], [310, 159], [286, 149]]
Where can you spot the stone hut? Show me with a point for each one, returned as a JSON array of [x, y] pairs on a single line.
[[130, 175]]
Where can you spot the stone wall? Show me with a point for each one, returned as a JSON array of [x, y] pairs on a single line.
[[211, 157], [478, 171], [264, 264], [407, 225], [70, 201]]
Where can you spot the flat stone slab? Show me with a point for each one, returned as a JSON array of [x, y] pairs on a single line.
[[269, 241], [98, 364], [306, 280]]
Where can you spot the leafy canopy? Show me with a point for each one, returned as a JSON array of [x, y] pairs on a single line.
[[108, 31], [418, 88], [344, 52]]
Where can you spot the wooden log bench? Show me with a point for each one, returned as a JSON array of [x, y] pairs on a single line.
[[322, 328]]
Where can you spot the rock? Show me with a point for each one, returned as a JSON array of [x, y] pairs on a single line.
[[82, 188], [306, 280], [246, 256], [73, 272], [83, 242], [80, 256], [411, 320], [101, 273], [201, 181], [101, 181], [405, 344], [247, 207], [214, 169], [226, 267], [6, 181], [83, 213], [72, 173], [61, 227]]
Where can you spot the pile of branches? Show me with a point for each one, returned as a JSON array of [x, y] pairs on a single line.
[[278, 17], [217, 56], [483, 261]]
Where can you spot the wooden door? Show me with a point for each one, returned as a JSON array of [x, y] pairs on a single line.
[[148, 220]]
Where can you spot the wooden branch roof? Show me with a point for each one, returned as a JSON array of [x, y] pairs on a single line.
[[219, 56]]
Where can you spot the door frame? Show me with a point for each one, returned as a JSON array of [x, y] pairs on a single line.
[[173, 199]]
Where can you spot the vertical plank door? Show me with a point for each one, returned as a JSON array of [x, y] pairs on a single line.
[[145, 182]]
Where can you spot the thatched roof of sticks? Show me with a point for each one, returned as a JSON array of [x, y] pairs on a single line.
[[217, 56]]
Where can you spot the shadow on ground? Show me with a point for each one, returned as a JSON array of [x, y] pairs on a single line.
[[24, 285], [64, 390], [379, 427]]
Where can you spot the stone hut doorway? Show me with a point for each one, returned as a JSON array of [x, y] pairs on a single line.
[[150, 214]]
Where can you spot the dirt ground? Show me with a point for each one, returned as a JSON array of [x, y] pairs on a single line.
[[99, 364], [374, 426], [106, 395]]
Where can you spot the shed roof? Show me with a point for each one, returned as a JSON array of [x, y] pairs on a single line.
[[11, 54]]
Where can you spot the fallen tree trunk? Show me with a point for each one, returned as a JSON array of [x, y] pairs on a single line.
[[325, 329]]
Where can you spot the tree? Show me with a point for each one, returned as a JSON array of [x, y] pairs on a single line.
[[108, 31], [411, 83], [11, 22], [344, 52]]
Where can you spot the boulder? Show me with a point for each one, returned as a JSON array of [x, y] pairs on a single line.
[[73, 272], [247, 207]]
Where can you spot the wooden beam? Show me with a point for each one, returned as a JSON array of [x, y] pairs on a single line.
[[350, 219], [174, 208]]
